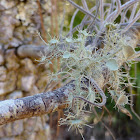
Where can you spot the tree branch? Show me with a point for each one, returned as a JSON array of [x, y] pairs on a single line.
[[83, 10], [72, 21], [39, 104]]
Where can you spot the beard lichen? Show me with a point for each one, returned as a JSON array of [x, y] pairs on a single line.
[[80, 62]]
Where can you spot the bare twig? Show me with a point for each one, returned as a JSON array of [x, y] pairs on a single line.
[[41, 19], [116, 13], [127, 4], [84, 21], [97, 10], [85, 5], [72, 21], [108, 130], [86, 17], [133, 12], [42, 38], [110, 117], [101, 12], [123, 15], [137, 17], [62, 22], [81, 9], [112, 6], [104, 124]]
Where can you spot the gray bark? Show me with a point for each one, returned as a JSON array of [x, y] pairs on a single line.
[[37, 105]]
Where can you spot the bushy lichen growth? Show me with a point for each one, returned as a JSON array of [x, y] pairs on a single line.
[[83, 63]]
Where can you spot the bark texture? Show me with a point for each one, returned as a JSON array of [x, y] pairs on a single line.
[[39, 104]]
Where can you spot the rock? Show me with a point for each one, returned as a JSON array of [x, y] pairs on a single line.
[[1, 59], [27, 82], [3, 72], [17, 127], [38, 125], [10, 84], [1, 55], [11, 129], [24, 14], [7, 25], [34, 90], [11, 60], [7, 4], [14, 43], [42, 81], [16, 94], [29, 67]]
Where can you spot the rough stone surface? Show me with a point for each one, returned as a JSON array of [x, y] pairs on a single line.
[[12, 129], [16, 94], [3, 72], [19, 22], [1, 55], [12, 62], [9, 85], [27, 82]]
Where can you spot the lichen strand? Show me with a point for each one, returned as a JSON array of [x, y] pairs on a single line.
[[91, 70]]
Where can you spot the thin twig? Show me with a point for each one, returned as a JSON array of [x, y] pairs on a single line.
[[134, 25], [62, 22], [97, 10], [85, 5], [112, 6], [72, 21], [83, 22], [108, 130], [110, 117], [127, 4], [101, 12], [56, 17], [42, 22], [42, 38], [52, 20], [133, 12], [116, 13], [81, 9], [137, 17], [104, 124], [87, 16], [131, 102], [100, 91], [123, 15]]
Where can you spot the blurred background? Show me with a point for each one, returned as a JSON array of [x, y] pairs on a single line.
[[21, 75]]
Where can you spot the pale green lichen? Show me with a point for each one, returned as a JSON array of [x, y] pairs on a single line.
[[80, 62]]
